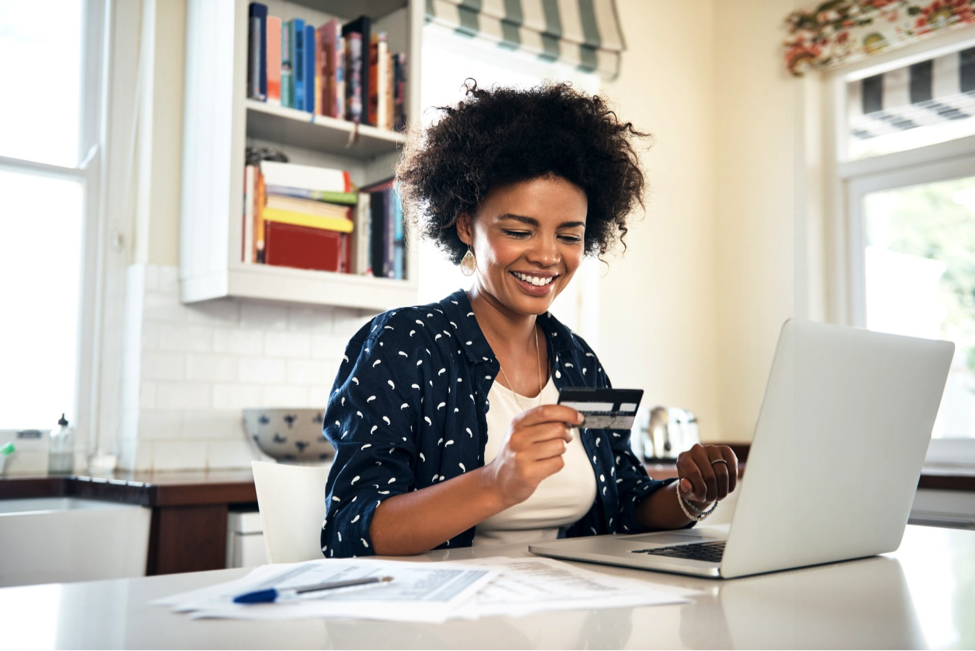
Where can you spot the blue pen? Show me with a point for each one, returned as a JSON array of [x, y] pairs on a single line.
[[273, 594]]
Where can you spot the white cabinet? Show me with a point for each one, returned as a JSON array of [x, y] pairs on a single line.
[[219, 122]]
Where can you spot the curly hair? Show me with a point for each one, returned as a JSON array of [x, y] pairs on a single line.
[[501, 136]]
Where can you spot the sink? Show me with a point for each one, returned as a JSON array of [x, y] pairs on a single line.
[[63, 539]]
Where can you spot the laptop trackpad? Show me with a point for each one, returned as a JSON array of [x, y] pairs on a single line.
[[671, 538]]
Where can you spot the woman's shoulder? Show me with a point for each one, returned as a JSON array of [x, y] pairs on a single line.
[[412, 324]]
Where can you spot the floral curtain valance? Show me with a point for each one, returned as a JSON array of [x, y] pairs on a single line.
[[582, 33], [838, 31]]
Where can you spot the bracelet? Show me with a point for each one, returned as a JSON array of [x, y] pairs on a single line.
[[697, 514]]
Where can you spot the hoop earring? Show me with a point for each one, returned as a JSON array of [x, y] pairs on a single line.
[[468, 264]]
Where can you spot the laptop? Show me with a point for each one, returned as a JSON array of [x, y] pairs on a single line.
[[833, 467]]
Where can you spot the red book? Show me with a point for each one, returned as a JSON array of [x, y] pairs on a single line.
[[287, 245]]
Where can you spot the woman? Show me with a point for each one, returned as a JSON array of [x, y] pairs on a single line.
[[444, 417]]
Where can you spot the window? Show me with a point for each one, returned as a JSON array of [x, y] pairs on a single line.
[[49, 171], [906, 172], [448, 60]]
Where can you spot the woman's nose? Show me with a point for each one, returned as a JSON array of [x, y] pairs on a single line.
[[544, 252]]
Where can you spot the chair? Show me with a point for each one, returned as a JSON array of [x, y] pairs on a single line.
[[291, 500]]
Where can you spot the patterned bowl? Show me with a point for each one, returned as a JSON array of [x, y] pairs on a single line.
[[289, 435]]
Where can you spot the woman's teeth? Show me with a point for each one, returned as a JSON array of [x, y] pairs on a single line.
[[534, 280]]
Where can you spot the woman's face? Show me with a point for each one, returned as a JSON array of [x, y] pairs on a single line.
[[528, 242]]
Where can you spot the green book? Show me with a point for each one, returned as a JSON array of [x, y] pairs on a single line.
[[287, 56]]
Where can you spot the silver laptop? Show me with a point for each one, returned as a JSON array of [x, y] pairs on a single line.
[[833, 466]]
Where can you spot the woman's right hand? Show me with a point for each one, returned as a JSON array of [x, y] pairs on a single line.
[[532, 450]]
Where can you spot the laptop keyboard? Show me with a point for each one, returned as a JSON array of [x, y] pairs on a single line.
[[704, 551]]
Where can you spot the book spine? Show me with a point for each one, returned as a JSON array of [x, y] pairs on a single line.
[[303, 248], [389, 234], [309, 177], [388, 91], [259, 217], [377, 212], [287, 72], [322, 70], [340, 224], [256, 51], [339, 72], [273, 35], [353, 77], [372, 113], [298, 62], [310, 69], [363, 26], [363, 235], [399, 124]]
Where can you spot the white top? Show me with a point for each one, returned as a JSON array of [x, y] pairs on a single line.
[[559, 500]]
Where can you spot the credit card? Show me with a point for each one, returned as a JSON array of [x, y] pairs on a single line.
[[603, 408]]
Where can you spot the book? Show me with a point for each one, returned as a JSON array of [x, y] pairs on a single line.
[[307, 177], [333, 69], [378, 80], [309, 206], [399, 92], [310, 69], [320, 74], [340, 224], [287, 74], [288, 245], [362, 26], [324, 196], [273, 65], [363, 236], [259, 199], [257, 51], [382, 221], [390, 90], [298, 62], [353, 77]]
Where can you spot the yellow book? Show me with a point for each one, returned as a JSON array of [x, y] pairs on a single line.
[[311, 221]]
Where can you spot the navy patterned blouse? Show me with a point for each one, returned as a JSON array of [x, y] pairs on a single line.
[[408, 410]]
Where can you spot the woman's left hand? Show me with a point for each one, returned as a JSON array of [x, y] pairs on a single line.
[[707, 473]]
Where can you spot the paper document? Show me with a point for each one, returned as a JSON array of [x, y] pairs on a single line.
[[529, 585], [419, 592]]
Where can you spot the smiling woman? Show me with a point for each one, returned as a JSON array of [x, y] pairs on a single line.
[[444, 417]]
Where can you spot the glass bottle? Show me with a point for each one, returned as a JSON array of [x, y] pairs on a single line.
[[60, 458]]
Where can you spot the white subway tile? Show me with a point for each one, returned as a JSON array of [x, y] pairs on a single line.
[[150, 336], [346, 322], [237, 396], [163, 308], [213, 424], [163, 366], [231, 454], [286, 396], [310, 319], [147, 395], [211, 368], [318, 396], [186, 338], [160, 425], [222, 312], [308, 372], [168, 279], [263, 316], [151, 277], [176, 396], [179, 455], [238, 341], [287, 344], [261, 370], [328, 347]]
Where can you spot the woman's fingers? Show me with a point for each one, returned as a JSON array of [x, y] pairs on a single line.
[[707, 472], [547, 414]]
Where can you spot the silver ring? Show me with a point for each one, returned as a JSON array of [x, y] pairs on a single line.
[[719, 461]]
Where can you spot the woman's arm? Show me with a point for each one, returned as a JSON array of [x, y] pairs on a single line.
[[417, 521]]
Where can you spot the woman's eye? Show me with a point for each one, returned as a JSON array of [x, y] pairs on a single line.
[[571, 239], [518, 234]]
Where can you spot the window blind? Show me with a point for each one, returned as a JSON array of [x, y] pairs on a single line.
[[582, 33]]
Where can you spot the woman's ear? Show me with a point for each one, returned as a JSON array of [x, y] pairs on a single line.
[[465, 229]]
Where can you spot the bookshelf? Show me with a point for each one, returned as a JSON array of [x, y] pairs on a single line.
[[220, 122]]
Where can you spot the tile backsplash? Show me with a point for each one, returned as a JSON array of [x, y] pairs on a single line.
[[188, 370]]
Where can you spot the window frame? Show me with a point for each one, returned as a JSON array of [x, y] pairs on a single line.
[[88, 171], [849, 180]]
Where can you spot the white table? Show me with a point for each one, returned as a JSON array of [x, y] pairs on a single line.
[[922, 595]]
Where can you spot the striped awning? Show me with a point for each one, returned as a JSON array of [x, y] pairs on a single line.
[[933, 92], [581, 33]]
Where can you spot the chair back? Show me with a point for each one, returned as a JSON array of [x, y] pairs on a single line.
[[291, 500]]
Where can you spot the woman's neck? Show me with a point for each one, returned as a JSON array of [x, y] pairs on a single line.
[[510, 334]]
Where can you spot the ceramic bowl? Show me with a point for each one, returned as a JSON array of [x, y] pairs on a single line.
[[289, 435]]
